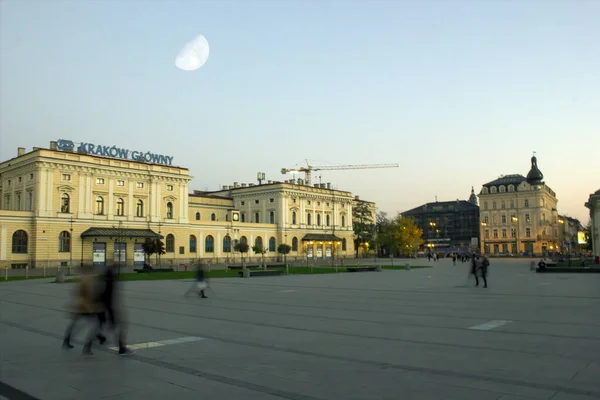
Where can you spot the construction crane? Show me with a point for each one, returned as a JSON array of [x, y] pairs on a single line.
[[309, 168]]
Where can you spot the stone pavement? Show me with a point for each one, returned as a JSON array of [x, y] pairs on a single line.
[[421, 334]]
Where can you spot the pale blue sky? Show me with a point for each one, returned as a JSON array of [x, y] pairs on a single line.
[[456, 92]]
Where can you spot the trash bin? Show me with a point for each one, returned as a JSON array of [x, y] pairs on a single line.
[[60, 276], [407, 266]]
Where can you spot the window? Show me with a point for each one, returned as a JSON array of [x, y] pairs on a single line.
[[256, 201], [64, 242], [139, 185], [493, 189], [227, 217], [504, 248], [193, 247], [318, 219], [209, 244], [99, 181], [512, 204], [242, 203], [139, 208], [503, 219], [9, 182], [486, 220], [65, 203], [293, 217], [66, 177], [487, 234], [484, 190], [511, 188], [227, 244], [258, 242], [543, 217], [272, 245], [120, 207], [169, 188], [485, 205], [18, 202], [294, 244], [169, 210], [30, 201], [327, 220], [271, 200], [494, 219], [99, 205], [19, 242], [541, 202], [502, 189], [256, 218], [121, 183], [30, 176], [527, 218], [327, 204], [197, 216], [528, 232], [309, 202], [309, 219], [513, 232], [170, 243], [344, 244], [495, 233], [503, 204], [343, 221], [271, 217], [244, 240], [503, 233], [496, 249], [526, 203], [213, 217], [243, 217], [494, 204]]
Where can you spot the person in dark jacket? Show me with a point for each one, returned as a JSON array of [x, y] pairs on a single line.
[[474, 268], [200, 284], [485, 263], [110, 312]]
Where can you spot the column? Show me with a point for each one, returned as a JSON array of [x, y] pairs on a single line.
[[131, 202], [110, 200], [49, 185]]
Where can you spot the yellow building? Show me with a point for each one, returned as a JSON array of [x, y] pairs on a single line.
[[519, 215], [95, 204]]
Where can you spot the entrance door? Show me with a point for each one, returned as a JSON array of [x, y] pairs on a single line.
[[120, 253], [319, 251], [99, 254]]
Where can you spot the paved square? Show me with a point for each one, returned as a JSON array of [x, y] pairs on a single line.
[[420, 334]]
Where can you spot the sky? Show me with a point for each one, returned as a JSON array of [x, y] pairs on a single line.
[[456, 92]]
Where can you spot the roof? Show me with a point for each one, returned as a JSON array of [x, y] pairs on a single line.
[[320, 237], [443, 207], [514, 179], [121, 232]]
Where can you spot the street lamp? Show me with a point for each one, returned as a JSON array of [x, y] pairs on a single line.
[[71, 245], [482, 249], [515, 220]]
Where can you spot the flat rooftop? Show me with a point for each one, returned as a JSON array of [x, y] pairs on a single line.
[[421, 334]]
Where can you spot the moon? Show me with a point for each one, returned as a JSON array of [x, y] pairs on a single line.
[[193, 55]]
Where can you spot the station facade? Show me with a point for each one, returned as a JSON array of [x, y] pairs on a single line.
[[71, 206]]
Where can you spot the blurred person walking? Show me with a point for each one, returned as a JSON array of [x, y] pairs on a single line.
[[200, 284]]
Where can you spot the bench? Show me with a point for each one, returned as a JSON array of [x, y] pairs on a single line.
[[151, 270], [235, 267], [263, 272], [362, 269]]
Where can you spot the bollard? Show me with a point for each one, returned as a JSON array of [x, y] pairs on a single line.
[[287, 269], [60, 276], [27, 271], [407, 266], [44, 271], [5, 273], [378, 268], [246, 273]]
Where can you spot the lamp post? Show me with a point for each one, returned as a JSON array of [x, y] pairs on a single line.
[[71, 245], [482, 249], [515, 220]]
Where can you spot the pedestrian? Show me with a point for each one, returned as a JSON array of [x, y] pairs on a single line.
[[200, 284], [485, 263], [454, 259], [111, 312], [86, 307], [474, 268]]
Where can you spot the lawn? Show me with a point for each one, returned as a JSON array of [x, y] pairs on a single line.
[[22, 278]]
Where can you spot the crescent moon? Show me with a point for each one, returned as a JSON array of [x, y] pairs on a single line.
[[193, 55]]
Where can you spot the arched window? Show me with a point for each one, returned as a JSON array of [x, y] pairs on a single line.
[[541, 202], [318, 219], [64, 242], [295, 244], [170, 243], [502, 189], [494, 190], [244, 240], [99, 205], [120, 207], [209, 244], [139, 208], [271, 217], [193, 247], [213, 217], [344, 244], [65, 203], [343, 221], [309, 219], [512, 204], [169, 210], [494, 204], [197, 216], [272, 245], [257, 218], [511, 188], [327, 222], [19, 242], [258, 241], [227, 244], [293, 217]]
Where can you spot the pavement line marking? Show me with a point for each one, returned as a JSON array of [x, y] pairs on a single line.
[[160, 343], [286, 291], [489, 325], [545, 283]]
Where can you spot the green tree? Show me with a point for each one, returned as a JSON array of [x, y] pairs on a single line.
[[285, 250], [587, 234], [258, 249], [153, 246], [408, 235], [385, 235], [364, 228], [242, 247]]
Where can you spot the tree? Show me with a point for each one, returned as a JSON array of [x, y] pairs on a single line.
[[364, 228], [385, 229], [153, 246], [258, 249], [587, 234], [285, 250], [242, 247], [408, 235]]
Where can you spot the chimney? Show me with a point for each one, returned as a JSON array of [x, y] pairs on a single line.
[[250, 184], [357, 197], [20, 151], [300, 181], [230, 187], [36, 148], [53, 145], [316, 185], [269, 182], [225, 187], [236, 185], [328, 185], [243, 185]]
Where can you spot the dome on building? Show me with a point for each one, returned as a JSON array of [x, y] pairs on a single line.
[[534, 176], [473, 197]]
